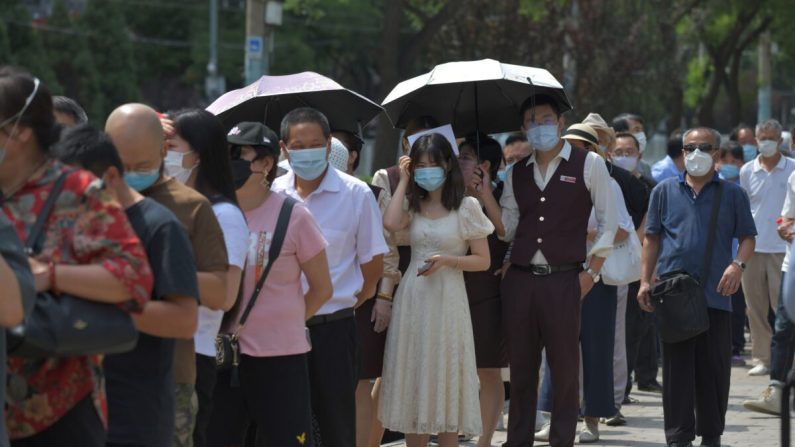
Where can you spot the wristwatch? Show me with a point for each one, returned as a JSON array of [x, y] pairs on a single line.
[[594, 275], [740, 264]]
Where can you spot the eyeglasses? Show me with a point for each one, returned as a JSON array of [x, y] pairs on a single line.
[[703, 147], [28, 100]]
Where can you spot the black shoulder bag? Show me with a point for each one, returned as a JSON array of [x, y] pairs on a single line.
[[680, 299], [64, 325], [227, 345]]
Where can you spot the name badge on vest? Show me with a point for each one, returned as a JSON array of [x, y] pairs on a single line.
[[567, 179]]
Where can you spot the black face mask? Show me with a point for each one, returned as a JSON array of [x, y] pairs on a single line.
[[241, 171]]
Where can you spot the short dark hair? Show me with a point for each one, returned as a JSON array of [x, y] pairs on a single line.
[[304, 115], [89, 148], [674, 144], [15, 87], [621, 122], [732, 148], [440, 152], [735, 133], [539, 100], [515, 138], [628, 135], [490, 150], [420, 123], [352, 142], [205, 134], [69, 106]]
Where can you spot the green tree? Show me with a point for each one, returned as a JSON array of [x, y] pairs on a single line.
[[25, 40], [110, 43], [73, 64]]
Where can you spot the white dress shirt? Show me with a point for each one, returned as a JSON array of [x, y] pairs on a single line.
[[597, 181], [788, 211], [348, 215], [766, 191]]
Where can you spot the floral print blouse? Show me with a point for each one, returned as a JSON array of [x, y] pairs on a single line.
[[86, 227]]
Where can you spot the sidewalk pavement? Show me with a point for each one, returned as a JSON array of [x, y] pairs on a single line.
[[645, 420]]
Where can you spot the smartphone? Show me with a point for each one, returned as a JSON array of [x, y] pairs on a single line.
[[424, 268]]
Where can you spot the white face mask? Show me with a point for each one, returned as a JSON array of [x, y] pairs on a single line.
[[641, 137], [628, 163], [698, 164], [768, 148], [173, 165]]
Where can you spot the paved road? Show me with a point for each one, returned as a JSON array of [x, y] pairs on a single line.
[[645, 420]]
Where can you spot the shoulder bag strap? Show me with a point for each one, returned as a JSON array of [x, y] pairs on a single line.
[[35, 240], [713, 223], [273, 253]]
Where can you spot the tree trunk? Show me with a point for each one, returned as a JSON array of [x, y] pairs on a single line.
[[706, 110], [386, 141], [732, 85]]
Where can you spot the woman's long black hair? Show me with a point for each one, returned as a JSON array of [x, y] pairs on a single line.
[[205, 135], [441, 153]]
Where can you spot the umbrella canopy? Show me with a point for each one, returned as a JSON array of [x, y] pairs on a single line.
[[270, 98], [484, 95]]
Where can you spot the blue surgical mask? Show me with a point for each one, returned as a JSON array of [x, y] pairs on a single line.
[[430, 179], [543, 138], [141, 181], [309, 164], [729, 172], [501, 176], [749, 152]]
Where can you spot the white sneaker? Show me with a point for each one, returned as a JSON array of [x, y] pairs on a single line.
[[769, 402], [590, 431], [759, 370], [542, 419], [543, 434]]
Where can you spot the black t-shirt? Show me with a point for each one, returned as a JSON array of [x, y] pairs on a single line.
[[140, 383], [635, 191]]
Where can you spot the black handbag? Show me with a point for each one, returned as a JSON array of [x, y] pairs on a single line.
[[227, 345], [64, 325], [680, 299]]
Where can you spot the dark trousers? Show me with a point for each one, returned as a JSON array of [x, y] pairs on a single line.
[[333, 380], [597, 338], [542, 312], [269, 408], [782, 347], [738, 322], [81, 426], [697, 374], [205, 384], [641, 341], [597, 332]]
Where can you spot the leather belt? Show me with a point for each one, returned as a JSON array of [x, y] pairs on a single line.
[[546, 269], [328, 318]]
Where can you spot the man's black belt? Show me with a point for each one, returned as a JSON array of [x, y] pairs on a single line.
[[328, 318], [546, 269]]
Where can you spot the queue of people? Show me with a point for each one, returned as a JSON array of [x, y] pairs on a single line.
[[352, 308]]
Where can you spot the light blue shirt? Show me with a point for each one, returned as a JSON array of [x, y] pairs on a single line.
[[664, 169]]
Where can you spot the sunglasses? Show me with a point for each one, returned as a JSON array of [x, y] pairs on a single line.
[[703, 147], [28, 100]]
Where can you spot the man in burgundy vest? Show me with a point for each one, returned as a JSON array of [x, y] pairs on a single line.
[[546, 205]]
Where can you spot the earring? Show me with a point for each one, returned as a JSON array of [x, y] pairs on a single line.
[[265, 181]]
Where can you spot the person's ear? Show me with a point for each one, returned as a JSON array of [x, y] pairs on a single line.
[[112, 177], [561, 123], [485, 165], [24, 134]]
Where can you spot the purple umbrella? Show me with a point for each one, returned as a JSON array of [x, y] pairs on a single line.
[[270, 98]]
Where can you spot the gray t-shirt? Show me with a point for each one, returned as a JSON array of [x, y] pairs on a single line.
[[13, 253]]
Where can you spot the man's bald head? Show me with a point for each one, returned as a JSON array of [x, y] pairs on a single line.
[[138, 135]]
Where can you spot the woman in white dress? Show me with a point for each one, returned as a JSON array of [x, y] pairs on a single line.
[[430, 382]]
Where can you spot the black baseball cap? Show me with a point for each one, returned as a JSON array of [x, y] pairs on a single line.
[[249, 133]]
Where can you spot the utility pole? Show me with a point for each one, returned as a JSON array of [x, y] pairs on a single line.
[[255, 40], [215, 85], [765, 108]]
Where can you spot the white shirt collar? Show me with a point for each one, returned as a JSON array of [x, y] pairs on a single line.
[[564, 153], [331, 181], [782, 163]]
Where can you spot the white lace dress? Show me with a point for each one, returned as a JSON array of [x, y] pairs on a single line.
[[430, 382]]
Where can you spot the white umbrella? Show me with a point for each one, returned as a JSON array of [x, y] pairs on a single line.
[[480, 95]]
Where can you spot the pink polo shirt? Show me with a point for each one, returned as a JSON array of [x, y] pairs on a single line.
[[276, 326]]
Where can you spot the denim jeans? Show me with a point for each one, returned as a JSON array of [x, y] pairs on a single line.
[[782, 346]]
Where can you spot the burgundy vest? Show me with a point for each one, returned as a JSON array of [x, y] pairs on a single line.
[[554, 220]]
